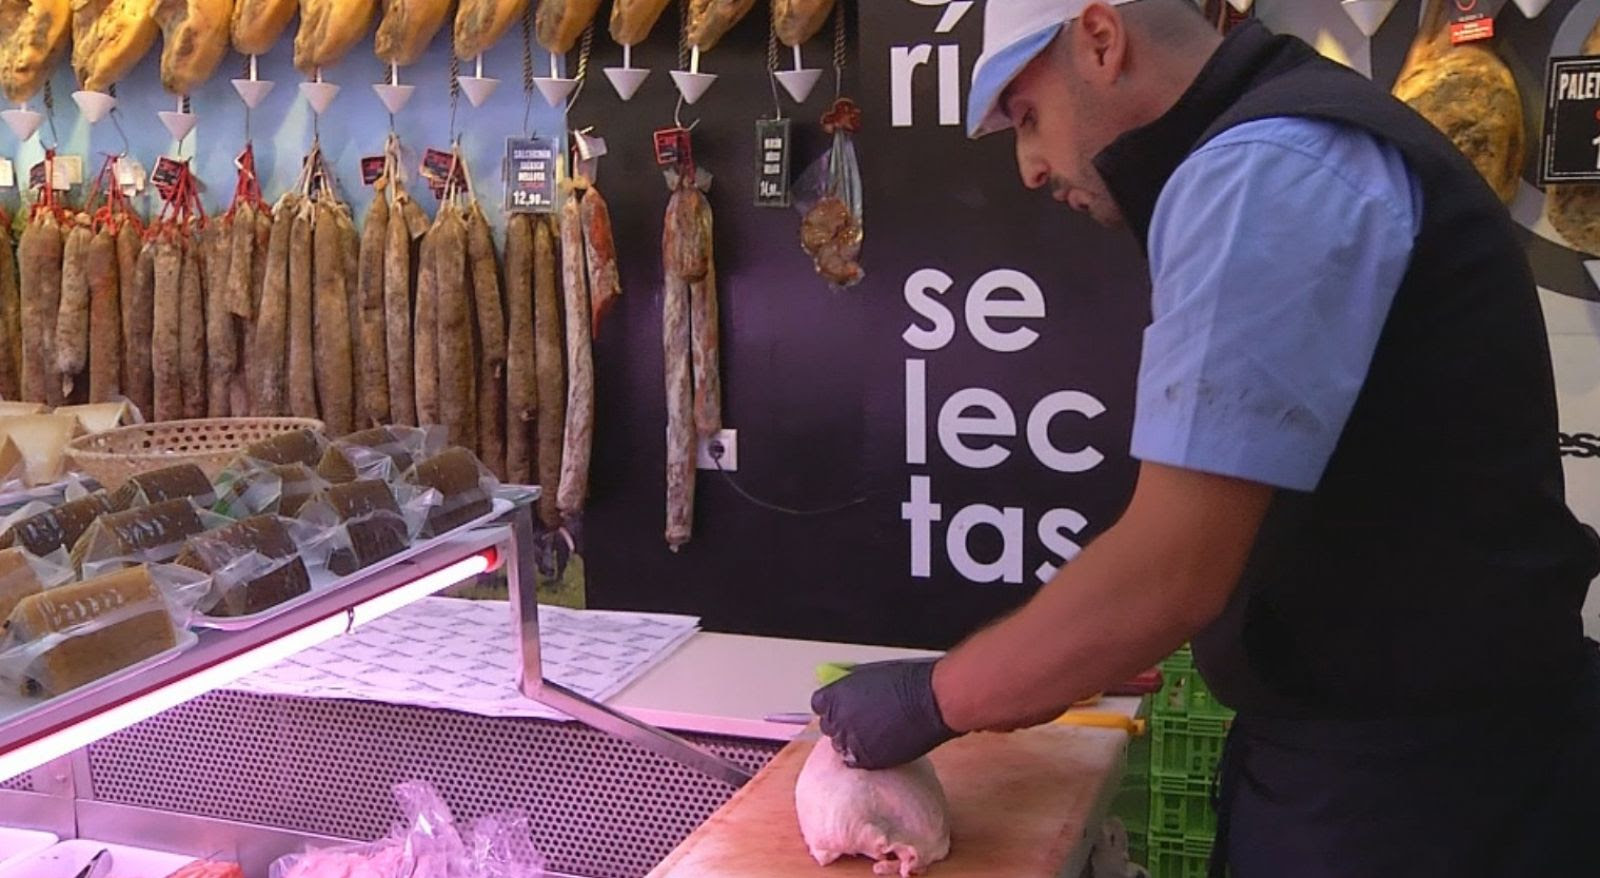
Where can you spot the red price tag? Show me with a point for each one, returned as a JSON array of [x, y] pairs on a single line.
[[673, 148], [372, 168]]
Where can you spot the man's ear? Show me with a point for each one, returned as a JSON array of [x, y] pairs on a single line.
[[1100, 43]]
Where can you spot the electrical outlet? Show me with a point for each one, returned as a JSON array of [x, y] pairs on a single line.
[[728, 441]]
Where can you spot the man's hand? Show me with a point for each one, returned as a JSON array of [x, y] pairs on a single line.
[[883, 714]]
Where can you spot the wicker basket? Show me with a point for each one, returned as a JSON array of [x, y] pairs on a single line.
[[116, 455]]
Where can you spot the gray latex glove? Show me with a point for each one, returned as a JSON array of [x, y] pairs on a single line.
[[883, 714]]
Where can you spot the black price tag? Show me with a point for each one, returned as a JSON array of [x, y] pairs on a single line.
[[531, 174], [1570, 148], [36, 176], [166, 176], [772, 162], [372, 169], [673, 148]]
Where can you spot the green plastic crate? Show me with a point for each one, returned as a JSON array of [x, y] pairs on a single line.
[[1178, 856], [1181, 806], [1183, 691], [1187, 746]]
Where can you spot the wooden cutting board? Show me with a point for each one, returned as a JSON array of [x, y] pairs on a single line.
[[1021, 806]]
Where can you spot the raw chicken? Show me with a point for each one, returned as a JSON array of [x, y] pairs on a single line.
[[894, 815]]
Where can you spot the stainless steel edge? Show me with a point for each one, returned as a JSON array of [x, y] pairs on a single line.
[[38, 811], [253, 846]]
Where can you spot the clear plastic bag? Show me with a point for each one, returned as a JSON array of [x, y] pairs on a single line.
[[158, 486], [267, 490], [142, 535], [829, 198], [73, 634], [299, 446], [42, 529], [363, 523], [427, 844], [255, 564], [380, 453], [464, 489], [23, 574]]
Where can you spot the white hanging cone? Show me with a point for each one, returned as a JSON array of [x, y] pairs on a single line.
[[22, 122], [1368, 15], [626, 80], [556, 90], [1241, 5], [319, 94], [692, 85], [478, 88], [178, 124], [1531, 8], [95, 105], [253, 91], [394, 97], [798, 83]]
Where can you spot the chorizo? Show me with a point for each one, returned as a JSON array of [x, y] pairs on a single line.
[[128, 269], [350, 255], [486, 300], [335, 390], [240, 245], [522, 401], [10, 318], [221, 272], [140, 323], [605, 284], [549, 369], [425, 358], [373, 365], [703, 317], [302, 377], [272, 317], [105, 319], [579, 439], [397, 314], [72, 315], [457, 371], [40, 288], [675, 343], [165, 338], [192, 330]]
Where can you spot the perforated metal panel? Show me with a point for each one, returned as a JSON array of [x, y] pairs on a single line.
[[601, 808], [22, 783]]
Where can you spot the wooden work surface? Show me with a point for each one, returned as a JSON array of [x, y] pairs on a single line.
[[1022, 805]]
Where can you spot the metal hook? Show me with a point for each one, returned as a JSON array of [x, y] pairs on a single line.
[[116, 122]]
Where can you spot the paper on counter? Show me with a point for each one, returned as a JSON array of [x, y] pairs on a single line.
[[461, 655]]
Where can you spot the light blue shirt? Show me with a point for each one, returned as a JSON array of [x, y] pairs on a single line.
[[1275, 253]]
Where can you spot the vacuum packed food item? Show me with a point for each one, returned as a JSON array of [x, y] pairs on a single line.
[[254, 565], [380, 453], [58, 528], [143, 534], [373, 525], [1468, 93], [299, 446], [172, 483], [464, 489], [276, 490], [17, 580], [898, 817], [65, 637]]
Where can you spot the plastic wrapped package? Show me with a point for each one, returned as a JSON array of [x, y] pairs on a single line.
[[171, 483], [23, 575], [365, 523], [254, 565], [465, 489], [299, 446], [380, 453], [829, 198], [145, 534], [64, 637], [270, 490], [42, 529], [427, 844]]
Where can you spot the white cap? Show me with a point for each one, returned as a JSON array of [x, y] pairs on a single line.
[[1014, 33]]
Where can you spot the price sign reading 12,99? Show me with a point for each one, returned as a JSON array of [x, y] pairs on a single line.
[[531, 174]]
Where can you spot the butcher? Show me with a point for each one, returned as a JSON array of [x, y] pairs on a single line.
[[1349, 495]]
